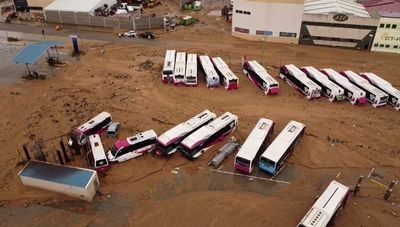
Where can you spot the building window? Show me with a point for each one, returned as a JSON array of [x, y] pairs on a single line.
[[394, 26], [239, 11], [381, 25], [387, 26], [305, 37], [242, 30], [287, 34], [375, 45], [387, 46], [243, 12], [381, 45], [246, 12], [395, 46], [36, 8]]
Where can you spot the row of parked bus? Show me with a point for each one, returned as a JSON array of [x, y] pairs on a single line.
[[192, 138], [357, 88], [255, 151], [182, 69]]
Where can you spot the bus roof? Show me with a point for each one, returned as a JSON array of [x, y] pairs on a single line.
[[208, 67], [149, 134], [342, 80], [97, 147], [278, 147], [191, 65], [207, 130], [364, 83], [255, 139], [224, 69], [183, 128], [322, 78], [218, 62], [169, 61], [300, 75], [205, 60], [89, 124], [325, 207], [262, 72], [381, 83]]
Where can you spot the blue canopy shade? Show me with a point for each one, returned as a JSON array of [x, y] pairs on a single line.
[[30, 54]]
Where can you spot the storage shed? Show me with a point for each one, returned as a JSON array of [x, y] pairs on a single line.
[[72, 181]]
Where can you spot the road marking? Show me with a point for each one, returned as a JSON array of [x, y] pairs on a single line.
[[220, 167], [249, 176]]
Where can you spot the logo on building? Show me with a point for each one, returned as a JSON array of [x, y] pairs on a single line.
[[340, 17], [386, 37]]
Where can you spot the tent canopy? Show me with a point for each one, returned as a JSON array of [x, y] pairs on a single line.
[[31, 53]]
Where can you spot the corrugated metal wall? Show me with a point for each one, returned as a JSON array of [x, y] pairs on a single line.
[[79, 18]]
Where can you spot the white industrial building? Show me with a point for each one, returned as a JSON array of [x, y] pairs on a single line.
[[273, 20], [337, 23], [387, 37]]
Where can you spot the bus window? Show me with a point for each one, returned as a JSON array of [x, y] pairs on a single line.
[[267, 161], [242, 161]]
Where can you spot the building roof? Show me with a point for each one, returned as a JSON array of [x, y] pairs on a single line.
[[59, 174], [335, 6], [385, 8], [76, 5], [30, 54]]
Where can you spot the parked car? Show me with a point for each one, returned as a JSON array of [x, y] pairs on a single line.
[[113, 130], [147, 35], [128, 34]]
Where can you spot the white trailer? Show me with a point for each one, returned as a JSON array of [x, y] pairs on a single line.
[[191, 70], [72, 181], [394, 94], [211, 76]]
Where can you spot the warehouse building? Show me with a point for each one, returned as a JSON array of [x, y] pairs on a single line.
[[337, 23], [273, 20], [387, 38], [68, 11]]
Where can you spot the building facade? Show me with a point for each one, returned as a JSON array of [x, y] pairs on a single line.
[[387, 38], [337, 23], [270, 20]]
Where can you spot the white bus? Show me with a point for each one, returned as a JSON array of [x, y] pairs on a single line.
[[98, 155], [226, 76], [327, 207], [394, 94], [201, 140], [169, 66], [133, 146], [374, 95], [191, 70], [352, 93], [211, 76], [169, 141], [256, 142], [282, 147], [260, 77], [94, 126], [298, 79], [331, 90], [180, 68]]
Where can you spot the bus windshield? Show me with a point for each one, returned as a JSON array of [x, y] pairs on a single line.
[[167, 72], [100, 163], [243, 161], [114, 150], [267, 162]]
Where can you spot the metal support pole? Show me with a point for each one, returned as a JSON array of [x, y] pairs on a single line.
[[358, 185], [389, 190], [28, 157], [64, 151], [60, 157]]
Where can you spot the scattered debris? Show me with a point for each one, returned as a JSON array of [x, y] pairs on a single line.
[[14, 93], [147, 65]]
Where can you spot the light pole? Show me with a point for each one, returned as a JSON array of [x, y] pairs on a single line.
[[370, 41]]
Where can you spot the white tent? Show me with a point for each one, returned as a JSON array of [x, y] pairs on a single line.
[[335, 6]]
